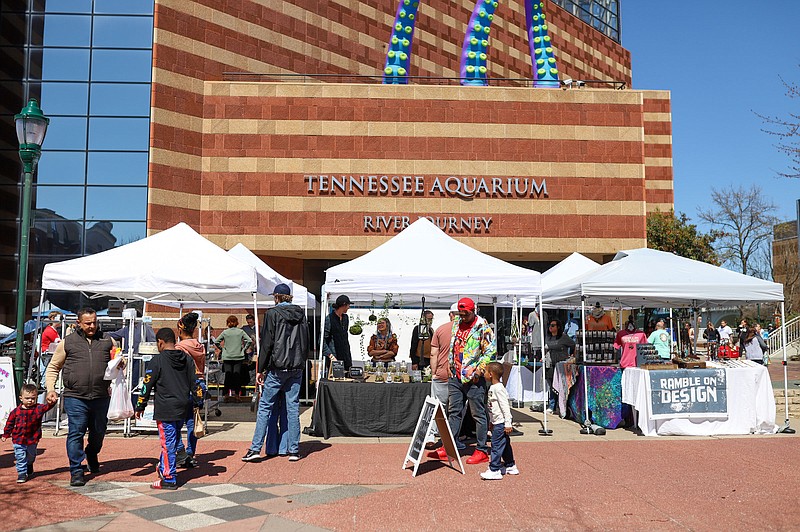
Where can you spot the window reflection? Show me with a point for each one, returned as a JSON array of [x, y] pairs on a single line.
[[117, 168], [63, 64], [65, 98], [65, 30], [116, 203], [123, 32], [67, 168], [119, 133], [121, 65], [52, 235], [119, 99], [65, 133], [101, 234], [63, 201]]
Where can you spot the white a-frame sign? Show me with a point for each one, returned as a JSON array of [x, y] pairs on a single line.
[[432, 412]]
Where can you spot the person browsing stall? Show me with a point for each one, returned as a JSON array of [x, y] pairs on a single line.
[[383, 344], [51, 334], [234, 342], [175, 375], [335, 345], [284, 351], [725, 332], [82, 359], [187, 329], [440, 368], [472, 346], [661, 340], [558, 348]]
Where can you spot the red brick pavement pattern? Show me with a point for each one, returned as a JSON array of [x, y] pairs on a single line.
[[660, 484]]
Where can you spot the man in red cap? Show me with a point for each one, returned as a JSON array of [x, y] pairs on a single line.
[[472, 347]]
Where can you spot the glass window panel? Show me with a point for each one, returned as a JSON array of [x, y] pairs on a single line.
[[65, 64], [101, 236], [119, 133], [120, 99], [64, 202], [52, 236], [121, 7], [121, 65], [61, 168], [115, 168], [65, 98], [64, 6], [65, 133], [116, 203], [9, 201], [123, 32], [66, 30]]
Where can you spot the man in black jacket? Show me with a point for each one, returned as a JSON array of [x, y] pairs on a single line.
[[173, 371], [284, 349], [82, 358]]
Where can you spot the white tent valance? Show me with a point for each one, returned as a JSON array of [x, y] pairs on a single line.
[[423, 261], [176, 264], [647, 277]]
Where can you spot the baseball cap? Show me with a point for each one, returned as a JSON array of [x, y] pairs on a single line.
[[466, 303], [341, 301], [283, 289], [454, 307]]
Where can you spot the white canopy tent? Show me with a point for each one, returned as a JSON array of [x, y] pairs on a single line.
[[154, 269], [647, 277], [575, 265], [423, 261]]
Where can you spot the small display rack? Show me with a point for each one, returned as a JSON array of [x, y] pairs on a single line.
[[600, 349], [647, 358]]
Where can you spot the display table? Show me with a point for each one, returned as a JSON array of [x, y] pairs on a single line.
[[368, 409], [605, 395], [750, 405], [531, 384]]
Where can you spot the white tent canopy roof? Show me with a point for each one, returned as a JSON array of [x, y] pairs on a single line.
[[654, 278], [176, 264], [423, 261], [570, 268]]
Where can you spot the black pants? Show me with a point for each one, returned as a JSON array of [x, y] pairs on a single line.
[[233, 376]]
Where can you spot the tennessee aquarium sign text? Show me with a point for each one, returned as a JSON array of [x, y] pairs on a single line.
[[465, 188]]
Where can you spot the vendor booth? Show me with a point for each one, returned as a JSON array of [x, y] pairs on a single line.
[[646, 277], [153, 269], [421, 263]]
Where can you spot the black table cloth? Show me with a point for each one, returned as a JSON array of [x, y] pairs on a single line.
[[368, 409]]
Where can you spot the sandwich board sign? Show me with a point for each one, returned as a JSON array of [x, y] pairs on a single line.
[[432, 413], [8, 393]]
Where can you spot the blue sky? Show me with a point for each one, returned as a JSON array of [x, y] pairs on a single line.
[[721, 60]]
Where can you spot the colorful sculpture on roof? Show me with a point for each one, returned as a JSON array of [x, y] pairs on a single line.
[[474, 52]]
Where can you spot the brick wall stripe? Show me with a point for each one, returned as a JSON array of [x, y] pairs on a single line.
[[658, 161]]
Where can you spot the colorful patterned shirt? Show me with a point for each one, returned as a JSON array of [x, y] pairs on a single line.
[[24, 425], [471, 348]]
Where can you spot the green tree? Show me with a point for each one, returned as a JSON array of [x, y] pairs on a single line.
[[667, 231]]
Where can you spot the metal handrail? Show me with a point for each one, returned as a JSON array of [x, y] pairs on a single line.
[[419, 80], [792, 336]]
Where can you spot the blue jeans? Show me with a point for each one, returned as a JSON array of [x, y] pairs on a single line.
[[169, 433], [459, 394], [191, 439], [25, 455], [277, 381], [502, 455], [83, 414]]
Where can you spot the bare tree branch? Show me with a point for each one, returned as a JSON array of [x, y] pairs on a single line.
[[787, 131], [743, 219]]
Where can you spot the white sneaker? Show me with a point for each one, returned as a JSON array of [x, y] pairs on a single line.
[[492, 475], [510, 470], [550, 411]]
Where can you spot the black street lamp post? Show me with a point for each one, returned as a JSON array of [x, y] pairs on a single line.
[[31, 128]]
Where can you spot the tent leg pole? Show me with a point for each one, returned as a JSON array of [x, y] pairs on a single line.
[[544, 431], [785, 428]]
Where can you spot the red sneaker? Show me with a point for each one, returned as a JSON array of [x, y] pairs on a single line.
[[438, 454], [478, 457], [160, 484]]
